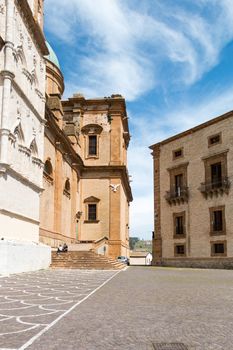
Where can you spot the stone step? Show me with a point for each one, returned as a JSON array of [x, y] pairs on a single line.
[[84, 260]]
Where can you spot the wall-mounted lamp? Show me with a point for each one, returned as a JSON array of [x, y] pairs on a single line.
[[78, 214]]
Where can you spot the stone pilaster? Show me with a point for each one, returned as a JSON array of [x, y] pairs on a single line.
[[157, 239]]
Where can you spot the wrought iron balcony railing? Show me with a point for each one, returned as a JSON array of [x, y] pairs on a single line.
[[177, 195], [217, 187]]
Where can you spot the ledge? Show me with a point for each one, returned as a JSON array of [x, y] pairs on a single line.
[[91, 221]]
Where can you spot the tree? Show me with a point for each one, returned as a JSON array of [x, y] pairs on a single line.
[[132, 242]]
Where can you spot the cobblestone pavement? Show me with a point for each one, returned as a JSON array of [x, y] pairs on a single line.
[[31, 303], [139, 309]]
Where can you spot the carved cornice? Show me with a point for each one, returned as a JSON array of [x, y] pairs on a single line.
[[115, 106], [195, 129]]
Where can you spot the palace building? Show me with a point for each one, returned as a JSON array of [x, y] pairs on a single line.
[[63, 164], [193, 200]]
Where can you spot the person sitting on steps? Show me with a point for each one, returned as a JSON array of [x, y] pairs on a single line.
[[62, 248]]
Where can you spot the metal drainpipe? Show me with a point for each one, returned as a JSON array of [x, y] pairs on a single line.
[[8, 76]]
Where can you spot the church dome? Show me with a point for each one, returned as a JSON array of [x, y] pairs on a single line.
[[52, 57]]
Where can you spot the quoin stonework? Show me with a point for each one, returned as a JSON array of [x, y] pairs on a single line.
[[63, 164], [193, 201]]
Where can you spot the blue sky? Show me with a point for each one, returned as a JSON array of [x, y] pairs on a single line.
[[171, 59]]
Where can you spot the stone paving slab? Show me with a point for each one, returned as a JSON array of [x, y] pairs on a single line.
[[31, 302]]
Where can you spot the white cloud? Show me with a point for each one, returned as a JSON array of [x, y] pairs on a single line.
[[124, 48]]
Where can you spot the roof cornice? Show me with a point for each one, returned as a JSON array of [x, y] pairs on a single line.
[[194, 129]]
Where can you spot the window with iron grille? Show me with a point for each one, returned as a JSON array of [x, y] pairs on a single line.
[[179, 249], [177, 153], [92, 212], [92, 148], [219, 248]]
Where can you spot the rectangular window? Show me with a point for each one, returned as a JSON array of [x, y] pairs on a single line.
[[214, 139], [179, 249], [92, 213], [177, 153], [179, 225], [216, 175], [219, 248], [217, 220], [92, 148], [178, 184]]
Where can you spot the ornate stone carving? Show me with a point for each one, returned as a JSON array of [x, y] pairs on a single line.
[[2, 9], [29, 43]]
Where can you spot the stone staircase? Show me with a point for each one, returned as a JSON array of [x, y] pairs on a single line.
[[84, 260]]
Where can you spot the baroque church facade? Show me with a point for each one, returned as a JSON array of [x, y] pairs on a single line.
[[63, 164]]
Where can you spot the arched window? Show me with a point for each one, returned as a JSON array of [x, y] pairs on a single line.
[[48, 170], [66, 190]]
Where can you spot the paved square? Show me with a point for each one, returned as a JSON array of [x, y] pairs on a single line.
[[138, 309]]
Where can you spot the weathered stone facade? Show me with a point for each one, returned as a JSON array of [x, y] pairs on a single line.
[[22, 105], [192, 195]]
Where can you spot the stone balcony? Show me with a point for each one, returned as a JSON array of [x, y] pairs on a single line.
[[215, 188], [177, 195]]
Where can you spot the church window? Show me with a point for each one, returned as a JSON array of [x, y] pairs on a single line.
[[48, 171], [92, 212], [66, 190], [91, 204], [92, 149]]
